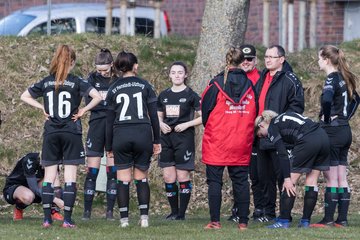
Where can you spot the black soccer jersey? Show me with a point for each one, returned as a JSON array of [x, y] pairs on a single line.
[[178, 107], [334, 98], [28, 166], [129, 98], [61, 104], [290, 127], [101, 84]]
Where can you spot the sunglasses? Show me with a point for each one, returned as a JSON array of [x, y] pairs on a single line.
[[249, 59]]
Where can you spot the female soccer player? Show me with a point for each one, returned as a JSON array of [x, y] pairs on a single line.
[[309, 155], [101, 80], [338, 92], [229, 109], [132, 134], [62, 144], [176, 108], [23, 187]]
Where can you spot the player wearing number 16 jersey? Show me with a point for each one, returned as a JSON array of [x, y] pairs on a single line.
[[62, 143], [132, 134]]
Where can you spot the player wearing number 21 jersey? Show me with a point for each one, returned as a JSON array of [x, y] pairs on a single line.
[[132, 134]]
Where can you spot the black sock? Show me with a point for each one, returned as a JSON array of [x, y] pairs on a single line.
[[331, 200], [344, 202], [286, 205], [89, 188], [69, 199], [172, 196], [185, 194], [143, 194], [310, 199], [111, 190], [123, 198], [47, 199]]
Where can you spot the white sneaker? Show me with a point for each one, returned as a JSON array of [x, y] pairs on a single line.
[[144, 221], [124, 222]]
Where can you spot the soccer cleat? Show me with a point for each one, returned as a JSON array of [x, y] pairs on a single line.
[[171, 216], [57, 216], [258, 213], [322, 224], [18, 214], [242, 226], [47, 223], [110, 216], [263, 219], [280, 223], [234, 216], [68, 224], [304, 223], [124, 222], [86, 216], [341, 224], [213, 225], [144, 221]]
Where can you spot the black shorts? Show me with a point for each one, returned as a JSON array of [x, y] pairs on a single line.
[[132, 146], [311, 152], [62, 148], [340, 140], [178, 149], [8, 193], [95, 142]]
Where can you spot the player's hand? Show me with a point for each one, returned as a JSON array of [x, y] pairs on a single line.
[[156, 149], [47, 116], [289, 187], [165, 128], [78, 115], [59, 202], [181, 127]]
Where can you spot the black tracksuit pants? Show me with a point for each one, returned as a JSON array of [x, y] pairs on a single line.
[[241, 190], [270, 177]]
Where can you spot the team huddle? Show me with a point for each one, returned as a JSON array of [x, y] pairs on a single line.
[[253, 125]]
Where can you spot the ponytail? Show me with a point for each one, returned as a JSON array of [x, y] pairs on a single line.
[[61, 64], [234, 57], [338, 60], [349, 77]]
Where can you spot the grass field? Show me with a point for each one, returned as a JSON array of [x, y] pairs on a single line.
[[192, 228]]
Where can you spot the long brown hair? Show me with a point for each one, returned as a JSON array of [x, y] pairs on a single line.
[[338, 60], [61, 64], [234, 57]]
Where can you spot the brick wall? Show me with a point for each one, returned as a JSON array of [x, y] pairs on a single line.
[[330, 20], [185, 18]]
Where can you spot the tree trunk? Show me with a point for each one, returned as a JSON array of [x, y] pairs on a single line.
[[108, 24], [223, 25]]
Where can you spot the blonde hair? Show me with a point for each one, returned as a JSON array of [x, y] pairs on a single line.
[[266, 116]]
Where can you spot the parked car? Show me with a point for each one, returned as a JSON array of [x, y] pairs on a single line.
[[79, 18]]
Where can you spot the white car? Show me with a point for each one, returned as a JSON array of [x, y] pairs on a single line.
[[78, 18]]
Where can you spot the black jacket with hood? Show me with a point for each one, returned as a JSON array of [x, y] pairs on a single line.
[[285, 93]]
